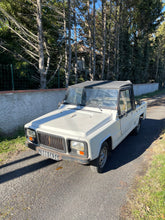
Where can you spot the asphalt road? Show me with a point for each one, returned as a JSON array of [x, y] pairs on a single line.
[[33, 187]]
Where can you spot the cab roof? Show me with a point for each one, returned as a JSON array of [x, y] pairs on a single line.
[[103, 84]]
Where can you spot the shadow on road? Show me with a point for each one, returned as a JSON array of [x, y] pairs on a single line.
[[157, 101], [25, 170], [18, 161], [134, 146]]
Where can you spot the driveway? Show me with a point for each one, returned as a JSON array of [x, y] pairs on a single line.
[[33, 187]]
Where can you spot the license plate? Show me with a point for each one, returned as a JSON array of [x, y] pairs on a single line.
[[48, 154]]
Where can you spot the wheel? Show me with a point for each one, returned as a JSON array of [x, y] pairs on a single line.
[[137, 129], [99, 164]]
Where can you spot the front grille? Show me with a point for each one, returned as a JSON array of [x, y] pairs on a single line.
[[52, 141]]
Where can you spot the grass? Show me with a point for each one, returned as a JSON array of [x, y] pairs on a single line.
[[147, 199], [11, 145], [149, 95]]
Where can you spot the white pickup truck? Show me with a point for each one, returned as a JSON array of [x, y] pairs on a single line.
[[93, 119]]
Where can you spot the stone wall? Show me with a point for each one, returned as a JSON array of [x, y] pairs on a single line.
[[20, 107]]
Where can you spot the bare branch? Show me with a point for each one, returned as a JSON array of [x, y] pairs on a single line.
[[31, 35], [45, 45], [18, 56], [32, 3], [30, 53], [27, 41], [21, 27], [55, 9], [37, 79], [58, 66]]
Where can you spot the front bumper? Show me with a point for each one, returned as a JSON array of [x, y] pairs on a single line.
[[62, 156]]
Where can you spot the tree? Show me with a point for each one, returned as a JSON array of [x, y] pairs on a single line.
[[119, 40], [89, 40], [75, 40], [32, 33], [94, 41], [159, 53], [104, 25], [109, 40], [146, 16], [42, 70], [29, 40], [69, 42]]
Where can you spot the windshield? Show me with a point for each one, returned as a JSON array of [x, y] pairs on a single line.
[[92, 97]]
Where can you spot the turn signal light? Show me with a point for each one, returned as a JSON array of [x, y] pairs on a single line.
[[30, 138], [81, 152]]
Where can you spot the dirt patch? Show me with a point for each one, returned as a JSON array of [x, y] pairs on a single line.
[[7, 157]]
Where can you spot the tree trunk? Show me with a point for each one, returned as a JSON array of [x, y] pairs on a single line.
[[109, 41], [104, 21], [66, 53], [94, 41], [115, 43], [117, 40], [69, 42], [41, 47], [89, 39], [146, 59], [157, 64], [75, 41]]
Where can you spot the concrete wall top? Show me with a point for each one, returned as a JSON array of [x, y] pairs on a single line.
[[32, 90]]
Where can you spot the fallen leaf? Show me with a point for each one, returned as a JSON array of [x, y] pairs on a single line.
[[59, 168]]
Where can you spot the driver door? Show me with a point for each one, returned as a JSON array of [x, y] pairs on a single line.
[[126, 113]]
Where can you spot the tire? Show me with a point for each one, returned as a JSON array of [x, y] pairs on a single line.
[[100, 163], [138, 127]]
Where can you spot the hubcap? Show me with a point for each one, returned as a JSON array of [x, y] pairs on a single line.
[[103, 157]]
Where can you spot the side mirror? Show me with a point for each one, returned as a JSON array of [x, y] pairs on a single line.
[[138, 102], [122, 114], [60, 103]]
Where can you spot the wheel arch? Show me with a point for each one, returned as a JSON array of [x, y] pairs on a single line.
[[109, 141], [142, 116]]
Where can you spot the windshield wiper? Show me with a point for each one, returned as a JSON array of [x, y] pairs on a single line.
[[100, 107], [67, 103]]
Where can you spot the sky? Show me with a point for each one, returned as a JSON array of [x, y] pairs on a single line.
[[164, 6], [98, 4]]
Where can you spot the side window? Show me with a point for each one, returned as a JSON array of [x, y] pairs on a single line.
[[125, 101]]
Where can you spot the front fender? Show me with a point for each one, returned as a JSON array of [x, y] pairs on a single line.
[[95, 146]]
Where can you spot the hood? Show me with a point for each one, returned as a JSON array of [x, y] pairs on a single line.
[[71, 122]]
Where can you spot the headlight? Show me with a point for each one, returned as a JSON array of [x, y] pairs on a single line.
[[80, 148], [31, 134], [77, 145]]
